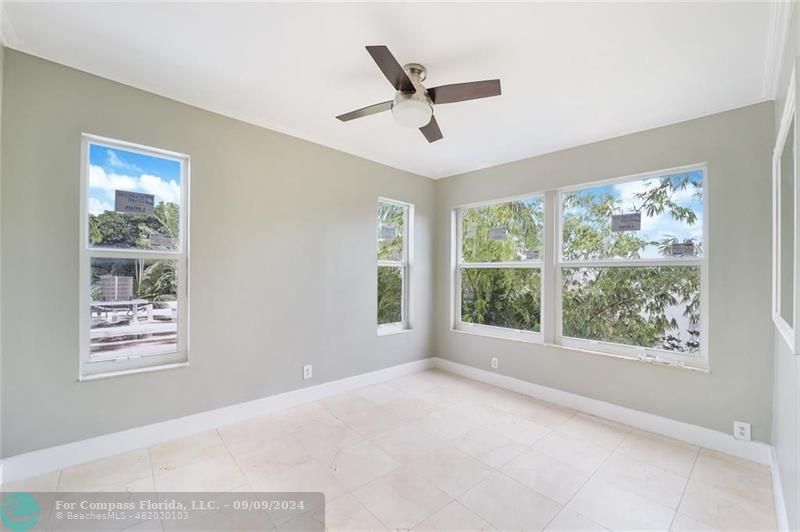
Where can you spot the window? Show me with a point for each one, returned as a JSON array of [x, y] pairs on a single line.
[[499, 267], [393, 230], [616, 267], [785, 207], [133, 258], [631, 266]]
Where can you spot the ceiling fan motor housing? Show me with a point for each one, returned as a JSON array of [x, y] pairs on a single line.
[[413, 109]]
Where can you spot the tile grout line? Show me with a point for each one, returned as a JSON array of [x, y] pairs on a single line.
[[153, 476], [58, 482], [591, 476], [230, 454], [685, 487]]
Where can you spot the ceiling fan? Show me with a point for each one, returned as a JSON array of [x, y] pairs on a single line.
[[412, 105]]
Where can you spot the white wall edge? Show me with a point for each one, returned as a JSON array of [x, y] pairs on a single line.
[[780, 15], [704, 437], [51, 459], [777, 493]]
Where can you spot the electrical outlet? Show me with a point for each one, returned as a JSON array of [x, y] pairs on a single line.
[[307, 372], [741, 430], [495, 362]]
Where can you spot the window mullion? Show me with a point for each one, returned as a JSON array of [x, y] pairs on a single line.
[[552, 230], [102, 253], [509, 265], [391, 264], [629, 263]]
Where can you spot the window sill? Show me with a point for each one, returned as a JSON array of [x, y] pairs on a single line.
[[132, 371], [389, 331], [528, 337], [662, 363]]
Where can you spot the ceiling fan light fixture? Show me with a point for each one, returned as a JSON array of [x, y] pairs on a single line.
[[412, 113]]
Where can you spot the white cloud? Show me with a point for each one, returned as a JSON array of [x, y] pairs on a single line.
[[99, 207], [168, 191], [99, 179], [112, 159], [627, 192]]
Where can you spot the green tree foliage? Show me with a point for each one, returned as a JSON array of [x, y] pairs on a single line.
[[390, 295], [626, 305], [154, 280], [502, 297]]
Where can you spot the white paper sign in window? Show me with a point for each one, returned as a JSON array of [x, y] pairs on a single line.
[[626, 222]]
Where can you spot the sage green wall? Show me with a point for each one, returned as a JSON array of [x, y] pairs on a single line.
[[282, 259], [737, 146], [786, 399]]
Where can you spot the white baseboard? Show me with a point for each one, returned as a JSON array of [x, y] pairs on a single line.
[[711, 439], [777, 493], [43, 461]]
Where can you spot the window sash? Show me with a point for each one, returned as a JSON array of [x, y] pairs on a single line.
[[402, 324], [559, 207], [495, 330], [653, 354], [459, 229], [88, 368]]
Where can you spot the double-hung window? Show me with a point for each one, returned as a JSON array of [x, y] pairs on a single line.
[[394, 223], [134, 261], [631, 267], [500, 252]]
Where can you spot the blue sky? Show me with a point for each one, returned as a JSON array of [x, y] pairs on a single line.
[[113, 169], [660, 226]]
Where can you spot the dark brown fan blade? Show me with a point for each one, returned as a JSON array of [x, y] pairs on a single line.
[[366, 111], [459, 92], [391, 68], [432, 131]]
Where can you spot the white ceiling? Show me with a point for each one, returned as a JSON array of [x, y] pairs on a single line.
[[571, 73]]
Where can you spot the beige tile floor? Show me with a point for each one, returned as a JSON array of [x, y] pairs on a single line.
[[433, 451]]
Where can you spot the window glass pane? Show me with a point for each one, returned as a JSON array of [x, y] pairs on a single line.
[[133, 199], [134, 309], [511, 231], [786, 251], [390, 294], [670, 222], [646, 307], [502, 297], [391, 221]]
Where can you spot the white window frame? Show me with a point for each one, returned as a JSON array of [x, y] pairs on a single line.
[[458, 260], [405, 265], [551, 265], [790, 332], [91, 370]]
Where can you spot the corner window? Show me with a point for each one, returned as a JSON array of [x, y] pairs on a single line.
[[615, 267], [133, 257], [499, 267], [631, 267], [393, 230]]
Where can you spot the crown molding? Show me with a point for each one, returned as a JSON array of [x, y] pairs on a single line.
[[780, 16]]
